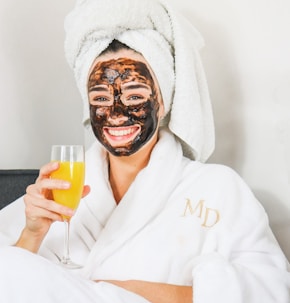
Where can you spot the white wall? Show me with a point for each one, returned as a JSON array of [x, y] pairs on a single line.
[[39, 104], [247, 61]]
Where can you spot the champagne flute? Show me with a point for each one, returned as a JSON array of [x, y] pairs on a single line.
[[71, 169]]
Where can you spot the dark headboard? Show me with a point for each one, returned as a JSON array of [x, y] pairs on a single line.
[[13, 183]]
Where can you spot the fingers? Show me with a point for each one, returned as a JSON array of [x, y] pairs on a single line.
[[47, 169], [37, 211], [39, 200], [44, 208], [43, 186], [40, 209]]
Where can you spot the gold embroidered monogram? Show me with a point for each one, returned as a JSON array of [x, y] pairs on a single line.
[[209, 216]]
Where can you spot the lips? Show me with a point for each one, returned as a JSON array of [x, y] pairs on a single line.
[[120, 136]]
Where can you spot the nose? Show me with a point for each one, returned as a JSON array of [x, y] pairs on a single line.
[[117, 120], [117, 114]]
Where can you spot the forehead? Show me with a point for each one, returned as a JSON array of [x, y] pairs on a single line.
[[121, 60], [124, 53]]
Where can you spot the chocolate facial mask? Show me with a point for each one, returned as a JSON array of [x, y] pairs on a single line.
[[123, 105]]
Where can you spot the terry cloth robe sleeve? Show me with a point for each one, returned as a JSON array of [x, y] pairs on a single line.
[[12, 221], [28, 278], [242, 261]]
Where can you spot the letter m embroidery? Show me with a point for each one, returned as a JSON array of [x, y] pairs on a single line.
[[209, 216]]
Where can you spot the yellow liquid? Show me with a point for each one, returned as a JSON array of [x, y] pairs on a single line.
[[74, 172]]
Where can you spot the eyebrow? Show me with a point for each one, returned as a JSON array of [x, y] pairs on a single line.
[[99, 89], [135, 86]]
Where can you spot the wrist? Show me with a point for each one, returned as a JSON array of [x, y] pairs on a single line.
[[30, 240]]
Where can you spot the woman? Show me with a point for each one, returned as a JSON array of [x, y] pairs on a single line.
[[153, 221]]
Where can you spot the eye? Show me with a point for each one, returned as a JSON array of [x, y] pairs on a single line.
[[100, 99], [135, 93], [135, 97]]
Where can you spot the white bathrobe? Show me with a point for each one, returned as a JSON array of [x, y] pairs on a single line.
[[181, 222]]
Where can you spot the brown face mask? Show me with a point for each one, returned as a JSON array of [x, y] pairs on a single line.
[[123, 105]]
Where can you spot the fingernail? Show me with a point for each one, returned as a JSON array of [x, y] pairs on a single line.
[[54, 164], [70, 212], [65, 185]]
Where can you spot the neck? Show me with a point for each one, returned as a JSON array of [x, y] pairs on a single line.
[[123, 170]]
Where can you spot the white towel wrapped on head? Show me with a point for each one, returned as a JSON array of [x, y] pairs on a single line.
[[168, 42]]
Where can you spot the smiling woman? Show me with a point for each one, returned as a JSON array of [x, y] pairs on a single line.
[[155, 219]]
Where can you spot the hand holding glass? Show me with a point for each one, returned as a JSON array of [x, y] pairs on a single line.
[[71, 169]]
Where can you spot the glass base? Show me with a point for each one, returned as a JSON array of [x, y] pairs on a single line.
[[69, 264]]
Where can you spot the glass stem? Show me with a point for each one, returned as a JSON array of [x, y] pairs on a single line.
[[66, 257]]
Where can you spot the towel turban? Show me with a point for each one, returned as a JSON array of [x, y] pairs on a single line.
[[168, 42]]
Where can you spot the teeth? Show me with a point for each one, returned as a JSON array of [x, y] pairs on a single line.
[[117, 133]]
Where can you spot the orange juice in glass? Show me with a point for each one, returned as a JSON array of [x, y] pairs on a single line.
[[71, 169], [73, 172]]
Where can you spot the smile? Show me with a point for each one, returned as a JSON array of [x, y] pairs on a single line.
[[117, 133], [118, 136]]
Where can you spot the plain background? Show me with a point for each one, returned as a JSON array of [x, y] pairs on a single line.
[[247, 62]]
